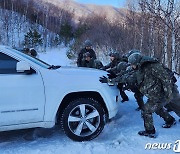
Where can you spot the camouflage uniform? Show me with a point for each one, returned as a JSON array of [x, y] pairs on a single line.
[[124, 68], [93, 63], [113, 62], [86, 49], [111, 65], [119, 70], [82, 52], [113, 68], [154, 82], [174, 104]]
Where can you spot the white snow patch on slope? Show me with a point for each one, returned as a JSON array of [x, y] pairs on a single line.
[[56, 57]]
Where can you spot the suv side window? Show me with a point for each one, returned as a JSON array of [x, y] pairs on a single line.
[[7, 64]]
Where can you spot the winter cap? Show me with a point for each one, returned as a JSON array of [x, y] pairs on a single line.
[[135, 58], [114, 54], [87, 43], [133, 51], [126, 55]]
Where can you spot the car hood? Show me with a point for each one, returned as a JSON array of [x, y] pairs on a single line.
[[80, 71]]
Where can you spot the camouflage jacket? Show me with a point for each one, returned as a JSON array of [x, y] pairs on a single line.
[[152, 79], [82, 52], [112, 64], [120, 69], [128, 76], [93, 63]]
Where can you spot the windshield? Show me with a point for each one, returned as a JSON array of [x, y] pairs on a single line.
[[33, 59]]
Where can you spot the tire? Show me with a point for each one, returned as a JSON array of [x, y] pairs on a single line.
[[83, 119]]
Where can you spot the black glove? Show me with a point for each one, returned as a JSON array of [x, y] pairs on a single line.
[[111, 75], [109, 71], [103, 79], [102, 68]]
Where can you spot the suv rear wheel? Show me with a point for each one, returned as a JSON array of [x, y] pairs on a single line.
[[83, 119]]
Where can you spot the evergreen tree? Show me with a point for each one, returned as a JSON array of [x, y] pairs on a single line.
[[80, 30], [32, 38], [56, 41], [66, 33]]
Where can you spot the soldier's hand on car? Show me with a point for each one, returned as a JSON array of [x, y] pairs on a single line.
[[102, 68], [103, 79], [109, 71], [110, 76]]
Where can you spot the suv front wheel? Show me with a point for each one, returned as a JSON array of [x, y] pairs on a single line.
[[83, 119]]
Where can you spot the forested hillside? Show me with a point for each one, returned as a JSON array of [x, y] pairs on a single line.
[[152, 26]]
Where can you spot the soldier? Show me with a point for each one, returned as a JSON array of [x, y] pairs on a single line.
[[174, 104], [113, 68], [119, 70], [123, 63], [122, 68], [26, 50], [88, 48], [33, 53], [155, 83], [132, 86], [114, 61], [89, 62]]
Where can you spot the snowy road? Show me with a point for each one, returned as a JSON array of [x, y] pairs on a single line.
[[119, 136]]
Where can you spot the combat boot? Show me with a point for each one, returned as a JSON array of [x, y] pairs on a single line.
[[148, 133], [169, 124]]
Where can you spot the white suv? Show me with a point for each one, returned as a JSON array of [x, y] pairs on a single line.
[[35, 94]]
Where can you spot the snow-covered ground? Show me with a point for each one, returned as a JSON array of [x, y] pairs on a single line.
[[118, 137], [56, 57]]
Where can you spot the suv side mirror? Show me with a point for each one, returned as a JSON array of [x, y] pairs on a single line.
[[24, 67]]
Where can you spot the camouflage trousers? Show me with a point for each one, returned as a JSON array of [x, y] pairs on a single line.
[[122, 92], [139, 98], [154, 106]]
